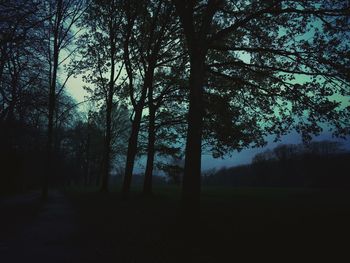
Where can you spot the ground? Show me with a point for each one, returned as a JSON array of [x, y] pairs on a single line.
[[85, 226]]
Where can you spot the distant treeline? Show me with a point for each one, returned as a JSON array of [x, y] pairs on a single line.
[[319, 164], [76, 156]]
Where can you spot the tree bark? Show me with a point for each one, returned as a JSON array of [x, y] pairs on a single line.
[[191, 184], [132, 150], [52, 102], [109, 106], [147, 186], [107, 145], [49, 144], [135, 128], [197, 45], [87, 156]]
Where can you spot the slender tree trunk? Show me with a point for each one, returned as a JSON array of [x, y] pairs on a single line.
[[14, 95], [87, 163], [135, 129], [52, 102], [3, 59], [109, 106], [107, 148], [107, 152], [192, 173], [132, 150], [49, 145], [147, 186], [98, 173]]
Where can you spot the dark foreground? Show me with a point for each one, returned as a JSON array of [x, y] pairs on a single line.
[[261, 224]]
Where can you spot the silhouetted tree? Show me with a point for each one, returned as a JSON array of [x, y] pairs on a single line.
[[59, 36], [173, 168], [166, 100], [324, 148], [316, 164], [20, 21], [280, 60], [152, 47], [22, 99], [101, 62], [84, 143]]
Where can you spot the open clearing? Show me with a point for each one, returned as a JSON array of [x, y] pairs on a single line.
[[260, 223]]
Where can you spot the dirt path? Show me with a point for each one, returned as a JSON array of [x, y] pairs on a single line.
[[38, 232]]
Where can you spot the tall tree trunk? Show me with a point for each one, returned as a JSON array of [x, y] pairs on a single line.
[[135, 129], [197, 45], [107, 146], [3, 60], [147, 186], [87, 162], [109, 106], [49, 144], [192, 172], [132, 149], [52, 102]]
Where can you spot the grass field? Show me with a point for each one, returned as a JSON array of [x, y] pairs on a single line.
[[260, 223]]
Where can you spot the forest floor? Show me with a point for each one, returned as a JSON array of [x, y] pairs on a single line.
[[247, 224]]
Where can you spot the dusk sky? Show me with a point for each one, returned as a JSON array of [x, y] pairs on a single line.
[[75, 88], [111, 113]]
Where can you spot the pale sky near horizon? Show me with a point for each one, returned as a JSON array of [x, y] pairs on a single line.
[[75, 88]]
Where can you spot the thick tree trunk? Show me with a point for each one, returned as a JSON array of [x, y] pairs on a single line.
[[192, 173], [147, 186], [132, 150], [197, 44]]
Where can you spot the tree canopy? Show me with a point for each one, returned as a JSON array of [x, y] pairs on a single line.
[[276, 65], [223, 74]]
